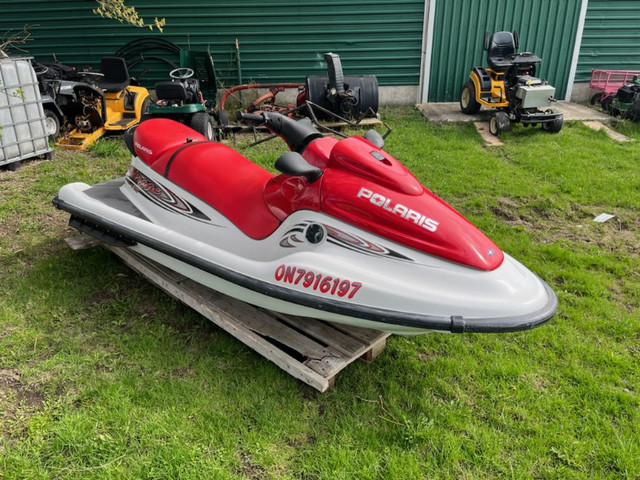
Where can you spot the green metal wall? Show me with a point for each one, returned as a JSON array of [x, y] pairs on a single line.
[[279, 41], [547, 28], [611, 37]]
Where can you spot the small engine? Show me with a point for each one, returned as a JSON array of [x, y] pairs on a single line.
[[353, 97]]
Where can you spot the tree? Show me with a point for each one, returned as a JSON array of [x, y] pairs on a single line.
[[117, 10]]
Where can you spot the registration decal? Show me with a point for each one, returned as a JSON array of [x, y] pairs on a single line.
[[309, 279]]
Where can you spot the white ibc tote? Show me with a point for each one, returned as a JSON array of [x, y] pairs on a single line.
[[22, 121]]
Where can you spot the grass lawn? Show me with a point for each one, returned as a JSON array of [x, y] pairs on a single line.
[[103, 376]]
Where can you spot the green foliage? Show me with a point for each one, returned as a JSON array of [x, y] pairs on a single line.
[[103, 376], [117, 10]]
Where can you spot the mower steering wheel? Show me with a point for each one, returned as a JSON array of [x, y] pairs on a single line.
[[181, 73], [40, 69]]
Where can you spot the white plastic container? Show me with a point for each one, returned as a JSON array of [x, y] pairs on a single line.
[[536, 95], [22, 121]]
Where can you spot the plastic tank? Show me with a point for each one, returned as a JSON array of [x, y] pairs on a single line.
[[22, 121]]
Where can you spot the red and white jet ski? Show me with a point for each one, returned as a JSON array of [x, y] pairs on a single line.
[[344, 233]]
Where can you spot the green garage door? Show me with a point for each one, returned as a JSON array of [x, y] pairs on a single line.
[[281, 41], [547, 28], [611, 38]]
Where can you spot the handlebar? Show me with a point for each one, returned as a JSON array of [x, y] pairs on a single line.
[[297, 134], [251, 117]]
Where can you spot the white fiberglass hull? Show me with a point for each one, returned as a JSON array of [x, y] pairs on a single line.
[[349, 276]]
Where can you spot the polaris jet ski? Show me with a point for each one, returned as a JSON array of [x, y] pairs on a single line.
[[344, 233]]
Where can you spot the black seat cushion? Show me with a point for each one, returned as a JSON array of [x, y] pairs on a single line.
[[173, 91], [116, 75], [501, 47]]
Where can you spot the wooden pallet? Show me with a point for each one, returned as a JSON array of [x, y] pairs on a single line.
[[310, 350]]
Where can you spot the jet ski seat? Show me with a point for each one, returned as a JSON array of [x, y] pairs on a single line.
[[229, 182], [218, 175]]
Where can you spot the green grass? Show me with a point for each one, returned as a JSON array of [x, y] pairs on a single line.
[[102, 376]]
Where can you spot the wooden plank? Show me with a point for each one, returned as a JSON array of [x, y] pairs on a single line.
[[222, 319], [376, 349], [320, 357], [352, 341], [324, 332], [489, 139], [595, 125], [367, 335], [80, 242], [323, 348]]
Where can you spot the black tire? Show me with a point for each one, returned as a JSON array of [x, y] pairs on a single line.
[[52, 124], [499, 123], [606, 103], [201, 122], [595, 99], [468, 102], [555, 125]]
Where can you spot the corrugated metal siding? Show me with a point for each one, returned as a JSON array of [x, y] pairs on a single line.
[[611, 37], [546, 27], [279, 41]]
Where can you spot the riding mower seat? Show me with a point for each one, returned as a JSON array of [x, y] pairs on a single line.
[[116, 75], [501, 47], [172, 92]]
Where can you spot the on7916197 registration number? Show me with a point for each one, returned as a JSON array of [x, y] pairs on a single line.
[[317, 281]]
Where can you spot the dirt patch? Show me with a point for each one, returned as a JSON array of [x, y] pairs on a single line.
[[551, 225], [426, 355], [28, 214], [16, 400], [182, 372], [250, 469]]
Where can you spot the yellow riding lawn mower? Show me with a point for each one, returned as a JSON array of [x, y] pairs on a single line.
[[510, 86], [112, 103]]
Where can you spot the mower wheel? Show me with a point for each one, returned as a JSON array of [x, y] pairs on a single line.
[[596, 98], [498, 123], [52, 124], [201, 123], [468, 102], [606, 103], [553, 126]]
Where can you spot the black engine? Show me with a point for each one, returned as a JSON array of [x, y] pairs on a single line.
[[353, 97]]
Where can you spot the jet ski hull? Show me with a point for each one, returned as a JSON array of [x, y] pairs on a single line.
[[312, 265]]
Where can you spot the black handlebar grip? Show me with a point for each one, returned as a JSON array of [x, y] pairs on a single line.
[[250, 117]]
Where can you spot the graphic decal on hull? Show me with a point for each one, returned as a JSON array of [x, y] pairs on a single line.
[[162, 196], [293, 237], [316, 281], [335, 236]]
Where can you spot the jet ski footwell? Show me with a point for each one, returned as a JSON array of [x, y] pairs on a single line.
[[310, 350]]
